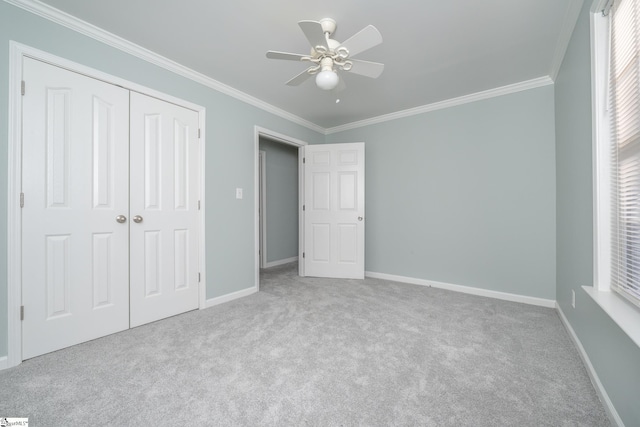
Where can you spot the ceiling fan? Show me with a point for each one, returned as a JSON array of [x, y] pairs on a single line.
[[328, 56]]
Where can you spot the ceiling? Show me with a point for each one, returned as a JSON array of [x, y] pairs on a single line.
[[432, 50]]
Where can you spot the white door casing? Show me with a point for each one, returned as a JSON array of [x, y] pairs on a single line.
[[75, 254], [262, 206], [334, 210], [164, 196]]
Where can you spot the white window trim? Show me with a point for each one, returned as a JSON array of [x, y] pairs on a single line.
[[622, 312]]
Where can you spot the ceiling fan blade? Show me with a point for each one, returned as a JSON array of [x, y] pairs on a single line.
[[366, 68], [363, 40], [313, 31], [272, 54], [303, 76]]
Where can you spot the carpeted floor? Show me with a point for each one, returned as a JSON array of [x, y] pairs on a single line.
[[308, 351]]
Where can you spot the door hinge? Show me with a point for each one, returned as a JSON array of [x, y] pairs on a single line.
[[302, 254], [22, 200], [304, 160], [198, 133], [198, 277], [22, 312], [304, 207], [22, 87], [198, 204]]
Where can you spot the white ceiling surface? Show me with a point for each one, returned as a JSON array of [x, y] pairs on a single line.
[[432, 50]]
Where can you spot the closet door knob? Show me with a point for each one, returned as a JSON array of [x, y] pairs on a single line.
[[137, 219], [121, 219]]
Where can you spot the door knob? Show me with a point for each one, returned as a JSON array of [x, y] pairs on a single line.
[[121, 218], [137, 219], [359, 218]]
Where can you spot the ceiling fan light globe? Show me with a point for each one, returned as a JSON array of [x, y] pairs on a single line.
[[327, 80]]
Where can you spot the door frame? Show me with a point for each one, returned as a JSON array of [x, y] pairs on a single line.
[[17, 52], [285, 139], [262, 202]]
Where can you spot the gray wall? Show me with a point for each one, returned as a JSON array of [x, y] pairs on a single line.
[[229, 150], [465, 195], [614, 356], [281, 199]]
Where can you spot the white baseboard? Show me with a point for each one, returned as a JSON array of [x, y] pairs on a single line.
[[4, 364], [465, 289], [280, 262], [230, 297], [595, 380]]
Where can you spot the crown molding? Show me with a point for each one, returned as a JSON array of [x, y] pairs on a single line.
[[569, 21], [75, 24], [478, 96], [69, 21]]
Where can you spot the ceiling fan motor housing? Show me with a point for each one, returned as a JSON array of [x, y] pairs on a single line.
[[328, 25]]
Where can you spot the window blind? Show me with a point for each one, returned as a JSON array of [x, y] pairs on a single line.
[[625, 146]]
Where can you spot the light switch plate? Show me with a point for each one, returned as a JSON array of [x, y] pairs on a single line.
[[238, 193]]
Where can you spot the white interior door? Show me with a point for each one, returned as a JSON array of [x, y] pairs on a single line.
[[164, 209], [75, 278], [334, 210]]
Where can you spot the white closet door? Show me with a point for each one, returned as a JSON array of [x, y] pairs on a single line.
[[334, 210], [164, 209], [75, 182]]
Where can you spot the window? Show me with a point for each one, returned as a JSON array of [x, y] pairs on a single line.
[[624, 143], [615, 26]]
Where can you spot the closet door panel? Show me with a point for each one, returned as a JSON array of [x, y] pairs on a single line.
[[75, 255], [164, 208]]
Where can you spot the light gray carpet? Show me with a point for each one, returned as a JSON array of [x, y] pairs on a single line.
[[308, 351]]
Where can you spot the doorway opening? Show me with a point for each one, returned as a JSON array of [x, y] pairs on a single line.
[[279, 237]]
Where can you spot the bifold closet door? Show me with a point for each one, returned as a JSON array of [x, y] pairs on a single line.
[[164, 209], [75, 180]]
